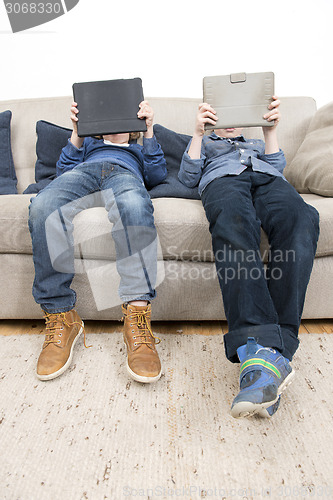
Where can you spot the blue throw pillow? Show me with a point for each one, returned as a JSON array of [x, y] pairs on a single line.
[[50, 140], [8, 180], [173, 146]]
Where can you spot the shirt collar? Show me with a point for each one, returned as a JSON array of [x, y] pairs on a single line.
[[109, 143], [239, 138]]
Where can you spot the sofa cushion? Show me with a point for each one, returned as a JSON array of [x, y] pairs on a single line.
[[311, 170], [50, 140], [181, 224], [173, 145], [8, 181]]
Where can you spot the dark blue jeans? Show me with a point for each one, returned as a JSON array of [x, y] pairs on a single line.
[[130, 211], [262, 303]]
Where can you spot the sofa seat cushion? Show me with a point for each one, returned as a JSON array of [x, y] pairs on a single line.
[[324, 206], [14, 231], [181, 224]]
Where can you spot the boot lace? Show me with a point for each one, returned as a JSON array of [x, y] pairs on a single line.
[[140, 317], [55, 322]]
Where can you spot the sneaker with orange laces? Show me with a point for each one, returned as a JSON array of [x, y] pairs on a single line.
[[143, 363], [62, 332]]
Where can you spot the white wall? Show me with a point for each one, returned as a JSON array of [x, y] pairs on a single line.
[[172, 44]]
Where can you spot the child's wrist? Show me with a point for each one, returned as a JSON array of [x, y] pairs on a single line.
[[149, 133], [269, 131], [76, 140], [199, 133]]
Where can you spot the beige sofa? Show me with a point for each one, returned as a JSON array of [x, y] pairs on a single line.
[[188, 287]]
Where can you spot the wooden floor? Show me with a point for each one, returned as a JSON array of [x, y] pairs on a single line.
[[15, 327]]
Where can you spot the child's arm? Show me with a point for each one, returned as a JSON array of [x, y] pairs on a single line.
[[73, 153], [273, 154], [146, 113], [270, 135], [193, 159], [154, 164], [75, 139], [206, 114]]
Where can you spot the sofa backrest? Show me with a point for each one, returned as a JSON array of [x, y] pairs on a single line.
[[177, 114], [25, 114]]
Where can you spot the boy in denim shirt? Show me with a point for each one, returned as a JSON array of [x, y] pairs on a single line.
[[242, 189]]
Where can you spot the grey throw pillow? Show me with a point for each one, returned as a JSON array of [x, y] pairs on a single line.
[[311, 170], [8, 180], [51, 139], [173, 146]]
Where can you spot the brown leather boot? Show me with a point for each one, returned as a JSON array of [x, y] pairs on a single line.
[[143, 363], [62, 332]]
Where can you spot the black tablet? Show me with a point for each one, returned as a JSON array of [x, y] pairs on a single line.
[[109, 107]]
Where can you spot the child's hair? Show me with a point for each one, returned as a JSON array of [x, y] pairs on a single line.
[[133, 136]]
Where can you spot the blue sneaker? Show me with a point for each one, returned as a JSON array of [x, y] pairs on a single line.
[[263, 412], [264, 374], [269, 412]]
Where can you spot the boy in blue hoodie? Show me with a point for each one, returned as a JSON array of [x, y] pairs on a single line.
[[118, 170]]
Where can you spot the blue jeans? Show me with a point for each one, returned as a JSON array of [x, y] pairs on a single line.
[[263, 303], [130, 210]]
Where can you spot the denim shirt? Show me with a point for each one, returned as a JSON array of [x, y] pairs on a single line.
[[221, 156]]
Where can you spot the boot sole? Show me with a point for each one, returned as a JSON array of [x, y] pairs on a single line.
[[141, 378], [66, 365], [248, 409]]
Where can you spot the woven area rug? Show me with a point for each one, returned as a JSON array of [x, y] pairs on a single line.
[[95, 434]]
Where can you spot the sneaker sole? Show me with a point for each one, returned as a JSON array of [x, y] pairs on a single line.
[[140, 378], [66, 365], [263, 413], [248, 409]]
